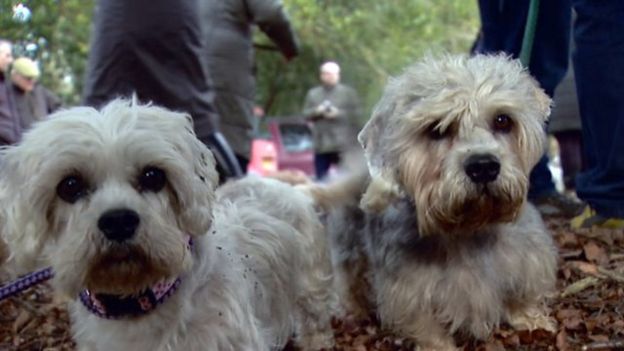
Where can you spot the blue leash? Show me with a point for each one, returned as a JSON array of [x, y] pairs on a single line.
[[25, 282]]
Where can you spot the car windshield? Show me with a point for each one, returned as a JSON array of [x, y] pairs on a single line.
[[296, 137]]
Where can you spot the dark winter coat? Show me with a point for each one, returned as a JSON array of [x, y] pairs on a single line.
[[153, 48], [229, 55], [35, 105], [10, 129]]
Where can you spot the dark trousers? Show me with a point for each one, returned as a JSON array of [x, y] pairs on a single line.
[[243, 162], [570, 144], [599, 69], [502, 26], [323, 161], [599, 73]]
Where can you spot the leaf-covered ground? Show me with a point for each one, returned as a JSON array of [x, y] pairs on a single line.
[[589, 307]]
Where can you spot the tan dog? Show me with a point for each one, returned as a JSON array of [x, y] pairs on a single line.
[[443, 229]]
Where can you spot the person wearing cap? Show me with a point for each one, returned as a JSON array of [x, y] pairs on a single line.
[[10, 129], [334, 109], [33, 101]]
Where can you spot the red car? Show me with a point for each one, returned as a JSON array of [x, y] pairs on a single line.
[[283, 144]]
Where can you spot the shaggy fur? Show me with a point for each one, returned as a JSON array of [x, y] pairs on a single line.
[[258, 270], [446, 253]]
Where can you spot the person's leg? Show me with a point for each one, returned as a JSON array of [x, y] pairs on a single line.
[[333, 163], [540, 180], [570, 153], [321, 164], [503, 24], [243, 162], [548, 64], [502, 30], [599, 69]]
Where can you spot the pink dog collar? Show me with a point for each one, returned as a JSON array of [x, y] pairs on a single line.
[[115, 306]]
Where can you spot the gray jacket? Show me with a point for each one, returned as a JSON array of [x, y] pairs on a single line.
[[338, 133], [229, 56]]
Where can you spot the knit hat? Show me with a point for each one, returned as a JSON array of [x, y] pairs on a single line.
[[26, 67]]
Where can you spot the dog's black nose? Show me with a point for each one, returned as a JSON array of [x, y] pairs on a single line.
[[119, 225], [482, 168]]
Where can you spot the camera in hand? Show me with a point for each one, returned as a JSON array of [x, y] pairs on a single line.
[[326, 106]]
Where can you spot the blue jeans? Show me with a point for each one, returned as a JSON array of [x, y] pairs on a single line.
[[599, 68], [502, 26]]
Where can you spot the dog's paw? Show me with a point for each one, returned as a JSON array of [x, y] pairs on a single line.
[[532, 318], [438, 345]]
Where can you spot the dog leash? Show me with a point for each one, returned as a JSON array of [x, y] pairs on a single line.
[[25, 282], [34, 278], [529, 33]]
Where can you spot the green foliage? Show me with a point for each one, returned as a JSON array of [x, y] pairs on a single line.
[[371, 40], [60, 30]]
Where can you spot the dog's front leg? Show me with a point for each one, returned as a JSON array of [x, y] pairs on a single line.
[[426, 331]]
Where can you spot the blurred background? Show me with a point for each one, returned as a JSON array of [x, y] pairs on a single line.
[[371, 39]]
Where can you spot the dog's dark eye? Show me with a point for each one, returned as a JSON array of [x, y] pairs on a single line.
[[152, 179], [71, 188], [503, 124]]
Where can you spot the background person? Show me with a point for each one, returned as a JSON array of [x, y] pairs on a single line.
[[334, 108], [154, 48], [565, 125], [229, 55], [33, 101], [502, 30], [599, 74], [10, 127]]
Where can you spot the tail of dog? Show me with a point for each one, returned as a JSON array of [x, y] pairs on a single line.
[[346, 191], [356, 189]]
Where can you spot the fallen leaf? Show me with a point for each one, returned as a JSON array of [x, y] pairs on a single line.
[[599, 338], [595, 253], [567, 239], [562, 341], [585, 267]]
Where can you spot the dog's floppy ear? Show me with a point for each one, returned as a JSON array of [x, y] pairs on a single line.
[[191, 166], [373, 138], [198, 193], [25, 224]]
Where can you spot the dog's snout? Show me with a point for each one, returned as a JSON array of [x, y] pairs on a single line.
[[119, 225], [482, 168]]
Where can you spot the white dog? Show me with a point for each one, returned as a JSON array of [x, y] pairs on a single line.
[[122, 203]]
